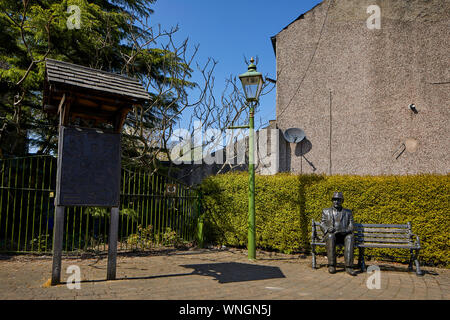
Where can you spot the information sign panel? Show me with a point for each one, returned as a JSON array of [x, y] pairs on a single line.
[[88, 168]]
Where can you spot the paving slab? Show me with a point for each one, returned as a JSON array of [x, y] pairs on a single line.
[[215, 274]]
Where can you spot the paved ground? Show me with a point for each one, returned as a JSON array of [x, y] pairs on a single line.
[[215, 274]]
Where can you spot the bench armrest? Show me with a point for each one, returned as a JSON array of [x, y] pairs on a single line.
[[417, 242], [314, 236], [313, 231]]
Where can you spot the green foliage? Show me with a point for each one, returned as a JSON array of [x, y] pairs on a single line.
[[41, 244], [130, 213], [285, 205], [100, 212], [171, 238], [97, 212], [145, 238], [110, 37]]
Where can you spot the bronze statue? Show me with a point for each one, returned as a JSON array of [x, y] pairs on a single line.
[[337, 227]]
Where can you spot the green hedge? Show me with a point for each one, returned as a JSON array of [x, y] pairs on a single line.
[[285, 205]]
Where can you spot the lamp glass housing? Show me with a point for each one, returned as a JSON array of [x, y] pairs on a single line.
[[252, 87], [252, 82]]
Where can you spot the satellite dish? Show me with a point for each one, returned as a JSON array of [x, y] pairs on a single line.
[[294, 135]]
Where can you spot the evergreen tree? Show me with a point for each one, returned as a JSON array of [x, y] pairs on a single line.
[[113, 36]]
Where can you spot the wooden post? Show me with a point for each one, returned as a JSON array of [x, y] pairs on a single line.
[[58, 231], [58, 227], [112, 243]]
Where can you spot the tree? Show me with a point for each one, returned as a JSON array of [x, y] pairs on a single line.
[[115, 36], [110, 37]]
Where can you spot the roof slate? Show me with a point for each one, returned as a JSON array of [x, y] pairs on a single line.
[[60, 72]]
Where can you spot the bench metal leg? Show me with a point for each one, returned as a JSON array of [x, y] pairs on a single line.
[[313, 253], [361, 262], [359, 258], [411, 260], [416, 261]]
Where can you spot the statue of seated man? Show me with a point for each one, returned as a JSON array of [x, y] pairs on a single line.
[[337, 227]]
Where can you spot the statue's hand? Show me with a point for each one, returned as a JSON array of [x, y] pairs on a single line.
[[331, 230]]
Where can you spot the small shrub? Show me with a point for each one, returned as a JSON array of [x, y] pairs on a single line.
[[143, 239], [170, 238]]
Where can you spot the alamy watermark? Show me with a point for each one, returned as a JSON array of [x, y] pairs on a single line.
[[374, 280], [215, 146], [74, 21], [374, 21], [74, 280]]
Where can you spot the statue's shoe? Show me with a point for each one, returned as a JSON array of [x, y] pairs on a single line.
[[332, 269], [350, 271]]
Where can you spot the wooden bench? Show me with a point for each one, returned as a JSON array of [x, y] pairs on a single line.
[[390, 236]]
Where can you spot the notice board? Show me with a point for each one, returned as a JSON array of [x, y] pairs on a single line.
[[88, 168]]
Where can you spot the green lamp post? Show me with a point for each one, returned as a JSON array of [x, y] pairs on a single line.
[[252, 82]]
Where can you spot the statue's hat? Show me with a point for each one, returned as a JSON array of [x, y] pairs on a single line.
[[337, 195]]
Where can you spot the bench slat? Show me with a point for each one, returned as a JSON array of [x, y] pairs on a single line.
[[376, 245], [379, 230], [366, 239], [374, 225], [382, 245], [381, 225], [386, 234], [381, 235], [375, 234]]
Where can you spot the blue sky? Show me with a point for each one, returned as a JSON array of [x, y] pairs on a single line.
[[231, 29]]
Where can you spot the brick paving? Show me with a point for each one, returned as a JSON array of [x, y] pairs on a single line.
[[213, 274]]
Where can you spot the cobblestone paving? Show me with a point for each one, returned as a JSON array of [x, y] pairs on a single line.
[[216, 274]]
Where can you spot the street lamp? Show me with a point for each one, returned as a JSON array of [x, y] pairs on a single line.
[[252, 82]]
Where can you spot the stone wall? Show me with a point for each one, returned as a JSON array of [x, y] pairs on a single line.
[[268, 142]]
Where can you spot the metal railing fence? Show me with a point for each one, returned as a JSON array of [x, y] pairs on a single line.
[[149, 215]]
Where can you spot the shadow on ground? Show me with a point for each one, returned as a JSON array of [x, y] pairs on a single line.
[[235, 272], [225, 272]]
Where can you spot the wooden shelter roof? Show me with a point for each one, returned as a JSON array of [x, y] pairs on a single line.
[[59, 72], [77, 92]]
